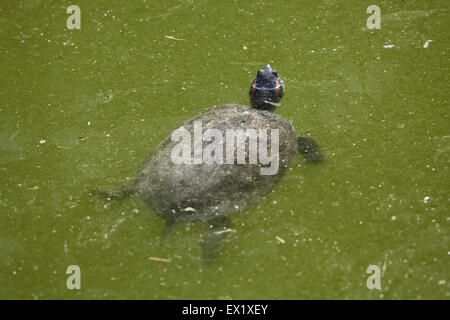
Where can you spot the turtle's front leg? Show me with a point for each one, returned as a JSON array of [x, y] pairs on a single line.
[[309, 149], [169, 223], [210, 244]]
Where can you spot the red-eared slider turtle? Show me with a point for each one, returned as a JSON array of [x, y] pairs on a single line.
[[217, 164]]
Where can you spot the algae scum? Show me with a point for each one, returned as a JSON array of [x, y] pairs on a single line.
[[81, 109]]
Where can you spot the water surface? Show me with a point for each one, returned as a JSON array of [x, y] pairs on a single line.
[[83, 108]]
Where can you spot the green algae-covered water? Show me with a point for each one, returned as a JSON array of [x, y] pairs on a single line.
[[81, 109]]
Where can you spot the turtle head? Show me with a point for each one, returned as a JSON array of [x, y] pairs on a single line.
[[266, 89]]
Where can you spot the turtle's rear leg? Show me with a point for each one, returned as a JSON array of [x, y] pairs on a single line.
[[309, 149], [210, 244], [116, 193]]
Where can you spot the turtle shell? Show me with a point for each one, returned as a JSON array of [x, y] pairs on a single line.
[[187, 192]]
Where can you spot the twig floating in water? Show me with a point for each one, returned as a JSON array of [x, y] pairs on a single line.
[[159, 259], [427, 43], [173, 38], [279, 239]]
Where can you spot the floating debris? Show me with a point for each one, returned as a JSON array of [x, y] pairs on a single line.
[[426, 199], [280, 239], [389, 46], [383, 268], [159, 259], [173, 38], [42, 141], [427, 43], [224, 231], [82, 138]]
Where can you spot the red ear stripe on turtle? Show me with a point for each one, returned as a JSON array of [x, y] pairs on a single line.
[[277, 90], [253, 86]]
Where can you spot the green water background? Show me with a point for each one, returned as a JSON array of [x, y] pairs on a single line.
[[81, 109]]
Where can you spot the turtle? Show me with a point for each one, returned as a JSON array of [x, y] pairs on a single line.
[[180, 183]]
